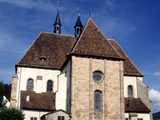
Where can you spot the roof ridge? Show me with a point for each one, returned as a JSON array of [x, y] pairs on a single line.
[[127, 56], [61, 35], [28, 48], [104, 35], [114, 48], [79, 37], [90, 23]]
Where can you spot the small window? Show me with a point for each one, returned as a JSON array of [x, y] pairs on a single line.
[[39, 77], [43, 59], [27, 98], [130, 91], [49, 86], [30, 84], [57, 28], [98, 76], [98, 101], [140, 119], [33, 118], [61, 118], [78, 29]]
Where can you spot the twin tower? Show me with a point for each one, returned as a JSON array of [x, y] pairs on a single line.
[[78, 27]]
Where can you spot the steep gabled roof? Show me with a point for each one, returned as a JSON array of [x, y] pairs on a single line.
[[93, 43], [129, 68], [48, 51], [135, 105]]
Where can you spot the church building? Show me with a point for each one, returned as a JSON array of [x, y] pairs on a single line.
[[85, 76]]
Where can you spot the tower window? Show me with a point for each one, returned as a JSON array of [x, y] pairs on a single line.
[[78, 31], [57, 28], [30, 84], [61, 118], [130, 91], [98, 101], [49, 86]]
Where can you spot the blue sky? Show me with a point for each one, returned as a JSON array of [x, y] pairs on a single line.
[[133, 23]]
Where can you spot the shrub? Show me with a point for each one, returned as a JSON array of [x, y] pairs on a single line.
[[11, 114]]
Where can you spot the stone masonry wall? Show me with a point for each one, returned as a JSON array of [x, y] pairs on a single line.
[[83, 87], [14, 92]]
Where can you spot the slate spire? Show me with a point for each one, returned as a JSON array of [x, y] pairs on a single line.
[[78, 27], [57, 24]]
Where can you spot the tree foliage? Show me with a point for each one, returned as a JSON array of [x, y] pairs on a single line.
[[156, 116], [11, 114], [1, 88], [1, 93], [5, 90]]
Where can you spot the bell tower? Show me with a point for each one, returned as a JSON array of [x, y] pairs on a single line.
[[78, 27], [57, 24]]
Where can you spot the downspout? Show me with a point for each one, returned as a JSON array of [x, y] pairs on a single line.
[[58, 82]]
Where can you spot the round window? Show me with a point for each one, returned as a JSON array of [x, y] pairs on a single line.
[[98, 76]]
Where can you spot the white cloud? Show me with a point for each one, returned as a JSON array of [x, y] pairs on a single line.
[[157, 73], [38, 4], [155, 97]]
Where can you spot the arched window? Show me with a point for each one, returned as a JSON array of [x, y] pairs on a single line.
[[30, 84], [98, 101], [49, 86], [130, 91]]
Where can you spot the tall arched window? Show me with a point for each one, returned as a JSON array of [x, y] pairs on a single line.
[[30, 84], [130, 91], [98, 101], [49, 86]]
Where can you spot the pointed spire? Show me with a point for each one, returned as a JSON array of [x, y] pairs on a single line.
[[57, 24], [78, 27]]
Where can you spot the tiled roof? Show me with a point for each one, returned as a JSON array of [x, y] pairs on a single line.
[[48, 51], [37, 101], [93, 43], [135, 105], [129, 68]]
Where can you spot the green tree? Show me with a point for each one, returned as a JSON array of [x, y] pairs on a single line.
[[2, 89], [5, 90], [11, 114]]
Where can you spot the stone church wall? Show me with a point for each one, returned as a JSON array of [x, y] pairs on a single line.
[[83, 87]]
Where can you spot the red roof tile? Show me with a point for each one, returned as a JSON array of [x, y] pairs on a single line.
[[129, 68], [93, 43], [135, 105], [50, 50], [38, 101]]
